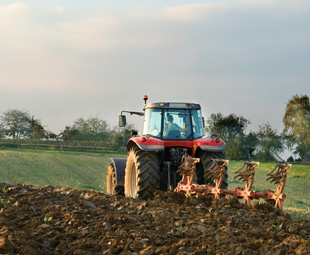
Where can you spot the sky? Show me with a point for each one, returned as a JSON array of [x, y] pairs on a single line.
[[64, 60]]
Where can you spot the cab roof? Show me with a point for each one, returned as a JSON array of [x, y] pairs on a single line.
[[172, 105]]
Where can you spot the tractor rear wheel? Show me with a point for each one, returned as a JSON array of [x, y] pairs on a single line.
[[206, 160], [142, 176], [112, 187]]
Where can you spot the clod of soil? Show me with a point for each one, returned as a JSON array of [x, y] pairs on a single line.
[[50, 220]]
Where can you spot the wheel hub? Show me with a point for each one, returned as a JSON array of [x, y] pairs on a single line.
[[133, 181]]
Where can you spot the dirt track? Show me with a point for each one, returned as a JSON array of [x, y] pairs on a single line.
[[51, 220]]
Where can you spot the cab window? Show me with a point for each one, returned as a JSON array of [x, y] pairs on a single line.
[[198, 129], [176, 124], [152, 122]]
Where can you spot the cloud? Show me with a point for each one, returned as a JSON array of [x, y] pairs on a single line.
[[276, 3], [218, 54], [193, 12], [59, 9], [13, 13], [94, 33]]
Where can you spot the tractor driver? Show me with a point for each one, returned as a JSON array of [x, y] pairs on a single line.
[[172, 128]]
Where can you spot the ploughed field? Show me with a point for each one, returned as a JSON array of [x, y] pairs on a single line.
[[48, 220]]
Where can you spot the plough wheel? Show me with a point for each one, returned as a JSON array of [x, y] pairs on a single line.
[[142, 176], [206, 160]]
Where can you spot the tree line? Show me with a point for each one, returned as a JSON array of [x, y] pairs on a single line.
[[265, 145], [19, 124]]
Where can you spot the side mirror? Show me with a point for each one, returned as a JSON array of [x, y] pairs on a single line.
[[122, 121], [203, 122]]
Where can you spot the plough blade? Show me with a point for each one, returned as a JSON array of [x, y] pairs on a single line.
[[246, 173], [278, 176], [216, 173]]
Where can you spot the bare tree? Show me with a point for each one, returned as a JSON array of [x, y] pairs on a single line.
[[16, 123]]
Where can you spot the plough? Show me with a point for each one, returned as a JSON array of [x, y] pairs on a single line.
[[245, 174]]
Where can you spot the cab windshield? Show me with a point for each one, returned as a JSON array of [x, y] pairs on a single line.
[[173, 124]]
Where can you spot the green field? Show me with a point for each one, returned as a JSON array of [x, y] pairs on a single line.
[[79, 170], [297, 188], [87, 170]]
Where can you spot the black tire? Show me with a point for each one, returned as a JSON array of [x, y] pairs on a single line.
[[142, 176], [206, 161], [112, 187]]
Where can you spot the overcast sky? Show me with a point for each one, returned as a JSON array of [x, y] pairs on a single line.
[[62, 60]]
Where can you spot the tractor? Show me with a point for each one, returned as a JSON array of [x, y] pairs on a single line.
[[170, 132]]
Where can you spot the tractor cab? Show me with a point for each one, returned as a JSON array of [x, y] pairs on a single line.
[[173, 121]]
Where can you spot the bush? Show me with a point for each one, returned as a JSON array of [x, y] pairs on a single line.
[[291, 159], [264, 157]]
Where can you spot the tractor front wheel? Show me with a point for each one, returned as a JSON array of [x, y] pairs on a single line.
[[142, 176]]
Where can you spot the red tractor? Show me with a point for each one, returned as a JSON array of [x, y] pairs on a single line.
[[170, 131]]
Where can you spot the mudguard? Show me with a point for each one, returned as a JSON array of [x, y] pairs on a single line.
[[209, 144], [119, 166], [149, 144], [155, 144]]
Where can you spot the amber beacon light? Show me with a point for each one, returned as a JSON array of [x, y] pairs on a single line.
[[145, 98]]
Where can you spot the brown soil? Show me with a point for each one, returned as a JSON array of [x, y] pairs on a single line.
[[50, 220]]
